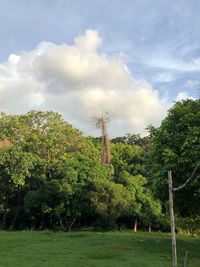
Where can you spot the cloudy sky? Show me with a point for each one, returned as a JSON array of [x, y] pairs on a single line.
[[130, 58]]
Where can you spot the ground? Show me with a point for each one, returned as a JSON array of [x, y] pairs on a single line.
[[92, 249]]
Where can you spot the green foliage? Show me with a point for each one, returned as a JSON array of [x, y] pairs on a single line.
[[133, 139], [43, 171], [110, 201], [176, 146], [188, 225], [16, 165], [51, 175], [129, 170], [129, 158]]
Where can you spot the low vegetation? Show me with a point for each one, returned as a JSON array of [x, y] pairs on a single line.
[[112, 249]]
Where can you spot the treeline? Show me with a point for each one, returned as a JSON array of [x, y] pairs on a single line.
[[51, 176]]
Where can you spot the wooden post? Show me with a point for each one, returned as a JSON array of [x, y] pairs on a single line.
[[185, 259], [172, 221]]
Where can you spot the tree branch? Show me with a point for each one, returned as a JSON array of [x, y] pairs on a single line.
[[193, 176]]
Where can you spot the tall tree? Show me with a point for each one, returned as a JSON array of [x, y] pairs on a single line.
[[176, 146]]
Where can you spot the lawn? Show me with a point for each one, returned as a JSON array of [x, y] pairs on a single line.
[[92, 249]]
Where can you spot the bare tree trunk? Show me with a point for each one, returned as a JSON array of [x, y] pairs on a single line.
[[172, 221], [70, 227], [101, 123], [150, 228], [135, 226]]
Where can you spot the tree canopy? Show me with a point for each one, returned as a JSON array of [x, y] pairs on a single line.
[[51, 175], [176, 146]]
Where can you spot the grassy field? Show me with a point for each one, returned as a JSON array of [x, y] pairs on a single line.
[[91, 249]]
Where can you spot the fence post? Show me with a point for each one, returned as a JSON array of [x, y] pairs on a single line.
[[185, 259], [172, 221]]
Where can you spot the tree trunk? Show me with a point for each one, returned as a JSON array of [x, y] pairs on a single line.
[[4, 220], [172, 221], [14, 219], [70, 227], [135, 226], [42, 223], [51, 221], [150, 228], [61, 223]]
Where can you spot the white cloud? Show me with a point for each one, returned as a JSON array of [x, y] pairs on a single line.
[[182, 96], [80, 82]]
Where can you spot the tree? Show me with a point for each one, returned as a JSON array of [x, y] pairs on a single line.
[[176, 146], [133, 139], [32, 168], [15, 170], [51, 176], [110, 201], [129, 170], [128, 157]]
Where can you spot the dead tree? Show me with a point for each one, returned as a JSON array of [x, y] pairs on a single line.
[[172, 190], [101, 123]]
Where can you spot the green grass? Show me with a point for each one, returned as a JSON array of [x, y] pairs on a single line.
[[91, 249]]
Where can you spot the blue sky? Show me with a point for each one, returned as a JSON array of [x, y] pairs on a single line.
[[158, 41]]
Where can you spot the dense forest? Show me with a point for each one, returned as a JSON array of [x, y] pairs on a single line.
[[51, 175]]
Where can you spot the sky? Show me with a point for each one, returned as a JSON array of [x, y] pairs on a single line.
[[130, 58]]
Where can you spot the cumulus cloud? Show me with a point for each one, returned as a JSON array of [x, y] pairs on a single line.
[[80, 82]]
